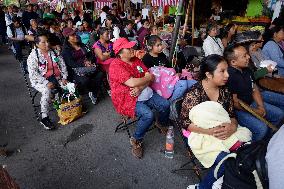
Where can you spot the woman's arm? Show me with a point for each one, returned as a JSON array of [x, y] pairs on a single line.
[[102, 56], [192, 98]]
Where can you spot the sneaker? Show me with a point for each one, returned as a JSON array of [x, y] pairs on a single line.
[[109, 92], [137, 150], [47, 124], [194, 186], [93, 98]]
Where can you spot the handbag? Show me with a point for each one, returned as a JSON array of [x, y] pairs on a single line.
[[69, 108], [85, 71]]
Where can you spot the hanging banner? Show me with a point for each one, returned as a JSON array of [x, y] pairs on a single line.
[[99, 4], [164, 3]]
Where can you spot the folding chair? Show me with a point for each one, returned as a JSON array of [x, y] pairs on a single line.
[[175, 111], [124, 125], [126, 122], [32, 92]]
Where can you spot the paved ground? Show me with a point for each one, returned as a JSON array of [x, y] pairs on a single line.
[[100, 159]]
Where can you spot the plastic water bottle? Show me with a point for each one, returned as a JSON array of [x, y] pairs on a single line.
[[169, 152]]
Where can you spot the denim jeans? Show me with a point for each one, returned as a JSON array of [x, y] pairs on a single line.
[[209, 179], [258, 128], [18, 49], [273, 98], [180, 89], [145, 113], [280, 71]]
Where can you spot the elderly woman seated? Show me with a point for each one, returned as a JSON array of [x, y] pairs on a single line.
[[47, 71], [131, 94], [212, 141], [80, 65]]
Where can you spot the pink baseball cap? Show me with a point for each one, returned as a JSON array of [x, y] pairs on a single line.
[[122, 43]]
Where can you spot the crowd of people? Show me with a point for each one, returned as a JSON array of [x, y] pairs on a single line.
[[126, 56]]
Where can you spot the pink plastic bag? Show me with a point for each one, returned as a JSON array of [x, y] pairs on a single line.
[[165, 80]]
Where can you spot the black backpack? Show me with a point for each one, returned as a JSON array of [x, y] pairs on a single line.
[[248, 168]]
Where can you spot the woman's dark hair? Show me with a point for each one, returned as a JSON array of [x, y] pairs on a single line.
[[209, 64], [225, 30], [38, 36], [152, 40], [105, 9], [210, 26], [53, 39], [269, 33], [102, 30], [137, 15], [143, 21]]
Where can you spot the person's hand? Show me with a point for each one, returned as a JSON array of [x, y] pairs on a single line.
[[64, 82], [88, 63], [135, 91], [50, 85], [270, 68], [224, 131], [106, 53], [260, 111], [149, 76]]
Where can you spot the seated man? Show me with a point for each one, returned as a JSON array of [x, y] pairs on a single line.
[[131, 94], [47, 71], [16, 33], [243, 88]]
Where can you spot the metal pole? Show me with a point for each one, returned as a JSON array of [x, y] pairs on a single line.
[[193, 22], [176, 30]]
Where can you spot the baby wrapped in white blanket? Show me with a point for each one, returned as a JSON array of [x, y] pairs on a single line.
[[206, 148]]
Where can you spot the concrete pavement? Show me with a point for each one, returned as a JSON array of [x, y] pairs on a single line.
[[100, 159]]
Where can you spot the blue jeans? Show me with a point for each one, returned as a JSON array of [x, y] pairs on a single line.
[[280, 71], [180, 88], [144, 112], [209, 179], [273, 98], [258, 128]]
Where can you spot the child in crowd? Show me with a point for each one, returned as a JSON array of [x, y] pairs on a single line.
[[155, 57]]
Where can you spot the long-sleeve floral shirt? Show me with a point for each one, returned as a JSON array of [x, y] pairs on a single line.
[[197, 95]]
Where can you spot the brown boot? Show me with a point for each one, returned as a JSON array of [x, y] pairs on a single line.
[[137, 149]]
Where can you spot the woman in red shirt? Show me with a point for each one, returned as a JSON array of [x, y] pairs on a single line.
[[131, 94]]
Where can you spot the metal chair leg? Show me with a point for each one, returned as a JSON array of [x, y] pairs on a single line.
[[32, 97]]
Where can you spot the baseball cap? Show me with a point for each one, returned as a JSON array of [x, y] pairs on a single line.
[[67, 32], [122, 43]]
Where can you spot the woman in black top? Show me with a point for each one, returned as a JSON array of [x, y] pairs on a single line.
[[76, 56]]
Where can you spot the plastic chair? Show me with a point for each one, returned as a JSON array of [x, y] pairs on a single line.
[[175, 112]]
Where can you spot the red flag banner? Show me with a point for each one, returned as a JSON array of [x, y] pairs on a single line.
[[99, 4]]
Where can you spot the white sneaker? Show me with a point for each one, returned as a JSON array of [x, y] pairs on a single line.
[[194, 186], [109, 92], [93, 98]]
